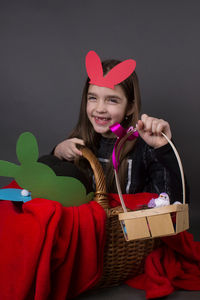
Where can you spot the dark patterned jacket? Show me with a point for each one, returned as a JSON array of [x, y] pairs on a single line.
[[149, 170]]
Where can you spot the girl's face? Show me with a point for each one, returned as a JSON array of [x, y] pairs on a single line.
[[106, 107]]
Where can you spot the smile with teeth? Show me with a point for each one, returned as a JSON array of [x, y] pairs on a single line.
[[101, 120]]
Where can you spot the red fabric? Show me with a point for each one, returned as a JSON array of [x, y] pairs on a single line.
[[132, 201], [175, 265], [52, 252], [49, 251]]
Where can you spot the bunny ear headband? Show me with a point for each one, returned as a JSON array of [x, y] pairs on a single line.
[[116, 75]]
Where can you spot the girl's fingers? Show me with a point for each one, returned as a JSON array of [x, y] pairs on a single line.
[[147, 123], [139, 125], [160, 127], [78, 141], [144, 117], [68, 149], [76, 151], [154, 125], [150, 130]]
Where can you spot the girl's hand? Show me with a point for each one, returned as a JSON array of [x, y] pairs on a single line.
[[68, 150], [150, 131]]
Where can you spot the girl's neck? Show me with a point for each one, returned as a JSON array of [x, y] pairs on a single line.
[[108, 140]]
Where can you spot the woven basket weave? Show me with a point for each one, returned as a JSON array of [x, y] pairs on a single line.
[[122, 259]]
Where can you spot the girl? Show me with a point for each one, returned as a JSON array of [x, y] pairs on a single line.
[[147, 164]]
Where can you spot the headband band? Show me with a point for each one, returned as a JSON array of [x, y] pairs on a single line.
[[116, 75]]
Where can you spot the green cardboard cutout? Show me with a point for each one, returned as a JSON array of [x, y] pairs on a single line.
[[40, 179]]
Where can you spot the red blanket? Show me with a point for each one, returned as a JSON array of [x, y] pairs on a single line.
[[175, 265], [48, 251], [51, 252], [132, 201]]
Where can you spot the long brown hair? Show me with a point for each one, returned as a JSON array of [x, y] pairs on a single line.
[[84, 129]]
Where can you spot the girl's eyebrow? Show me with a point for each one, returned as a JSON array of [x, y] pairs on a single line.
[[91, 94], [107, 96]]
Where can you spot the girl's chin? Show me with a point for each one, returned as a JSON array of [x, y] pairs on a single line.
[[102, 130], [105, 132]]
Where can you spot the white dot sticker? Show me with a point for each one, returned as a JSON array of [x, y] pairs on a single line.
[[25, 193]]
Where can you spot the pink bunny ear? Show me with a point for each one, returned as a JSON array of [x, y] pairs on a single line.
[[93, 66], [118, 74]]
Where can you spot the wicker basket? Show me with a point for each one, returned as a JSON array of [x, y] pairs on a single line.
[[154, 222], [122, 259]]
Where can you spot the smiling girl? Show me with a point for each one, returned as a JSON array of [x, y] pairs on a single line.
[[147, 164]]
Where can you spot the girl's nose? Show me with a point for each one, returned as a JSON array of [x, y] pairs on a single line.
[[101, 107]]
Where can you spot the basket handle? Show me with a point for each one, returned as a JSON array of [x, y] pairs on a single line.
[[116, 152], [100, 194], [179, 164]]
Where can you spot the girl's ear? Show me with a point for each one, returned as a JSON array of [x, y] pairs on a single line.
[[130, 109]]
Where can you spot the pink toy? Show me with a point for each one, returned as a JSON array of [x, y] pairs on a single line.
[[128, 134]]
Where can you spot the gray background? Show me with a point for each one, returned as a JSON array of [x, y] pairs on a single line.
[[42, 52], [42, 71]]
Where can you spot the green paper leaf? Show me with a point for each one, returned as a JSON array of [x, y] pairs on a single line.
[[40, 179], [8, 169], [42, 182], [90, 196], [27, 148]]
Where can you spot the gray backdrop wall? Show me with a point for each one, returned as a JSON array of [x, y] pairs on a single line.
[[42, 52]]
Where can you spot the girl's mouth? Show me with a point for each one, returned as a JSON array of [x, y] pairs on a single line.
[[101, 121]]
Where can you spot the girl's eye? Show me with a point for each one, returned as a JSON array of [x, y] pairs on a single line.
[[91, 98], [113, 100]]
